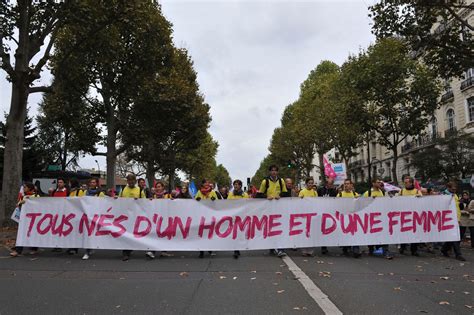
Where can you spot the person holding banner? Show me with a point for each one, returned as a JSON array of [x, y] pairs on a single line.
[[206, 192], [61, 189], [93, 190], [29, 191], [410, 190], [132, 191], [451, 188], [377, 191], [308, 192], [160, 191], [272, 187], [348, 192], [75, 190], [237, 193]]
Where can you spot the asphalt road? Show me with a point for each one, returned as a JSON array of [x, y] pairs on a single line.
[[257, 283]]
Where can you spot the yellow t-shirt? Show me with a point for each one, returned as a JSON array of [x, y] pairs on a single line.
[[274, 189], [410, 192], [134, 192], [232, 196], [164, 196], [77, 193], [204, 197], [305, 192], [351, 194], [375, 193]]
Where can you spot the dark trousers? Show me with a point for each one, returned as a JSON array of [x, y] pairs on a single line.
[[355, 249], [19, 249], [456, 246], [463, 230], [126, 252], [413, 247]]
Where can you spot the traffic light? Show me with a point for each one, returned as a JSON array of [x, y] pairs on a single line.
[[289, 164]]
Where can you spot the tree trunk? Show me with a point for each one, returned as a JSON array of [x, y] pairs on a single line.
[[150, 173], [394, 166], [64, 153], [321, 168], [13, 154], [111, 157], [171, 180]]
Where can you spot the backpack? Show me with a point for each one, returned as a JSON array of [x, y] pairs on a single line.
[[263, 194]]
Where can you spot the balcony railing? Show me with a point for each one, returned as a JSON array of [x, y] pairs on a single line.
[[447, 96], [420, 142], [356, 164], [466, 84]]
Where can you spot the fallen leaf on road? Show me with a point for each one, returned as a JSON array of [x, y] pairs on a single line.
[[461, 264], [398, 289], [33, 259], [274, 283], [254, 278], [391, 273], [330, 263], [253, 271], [444, 278], [184, 274], [319, 262], [234, 278], [296, 308], [222, 277], [432, 281], [448, 291], [467, 293], [279, 273], [471, 280], [422, 311], [305, 260], [117, 306], [380, 274], [280, 291], [122, 278], [469, 306], [444, 303], [282, 265]]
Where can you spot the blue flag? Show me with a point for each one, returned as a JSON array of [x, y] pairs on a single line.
[[192, 189]]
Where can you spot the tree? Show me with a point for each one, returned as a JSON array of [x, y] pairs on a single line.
[[222, 177], [439, 31], [401, 93], [451, 157], [67, 126], [33, 152], [200, 162], [116, 62], [172, 118], [25, 27]]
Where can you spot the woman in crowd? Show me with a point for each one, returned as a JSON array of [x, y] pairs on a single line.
[[308, 192], [205, 193], [237, 193]]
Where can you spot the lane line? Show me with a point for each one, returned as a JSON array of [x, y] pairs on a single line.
[[318, 296]]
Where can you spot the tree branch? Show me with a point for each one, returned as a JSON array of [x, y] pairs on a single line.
[[457, 17], [40, 89]]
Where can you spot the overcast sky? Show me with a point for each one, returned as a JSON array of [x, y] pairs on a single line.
[[251, 57]]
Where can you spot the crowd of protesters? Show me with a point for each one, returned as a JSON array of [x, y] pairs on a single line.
[[271, 187]]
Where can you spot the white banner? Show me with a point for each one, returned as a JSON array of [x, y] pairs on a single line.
[[107, 223]]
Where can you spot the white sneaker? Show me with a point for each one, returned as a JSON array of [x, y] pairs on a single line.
[[281, 253], [85, 257], [150, 255]]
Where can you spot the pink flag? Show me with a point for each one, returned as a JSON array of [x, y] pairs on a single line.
[[328, 170], [417, 185]]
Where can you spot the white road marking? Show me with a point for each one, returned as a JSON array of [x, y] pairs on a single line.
[[318, 296]]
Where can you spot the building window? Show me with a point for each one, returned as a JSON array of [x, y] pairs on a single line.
[[434, 127], [469, 73], [451, 119], [470, 109]]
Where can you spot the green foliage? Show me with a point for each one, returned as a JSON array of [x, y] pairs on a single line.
[[222, 177], [452, 157], [401, 94], [200, 163], [438, 31]]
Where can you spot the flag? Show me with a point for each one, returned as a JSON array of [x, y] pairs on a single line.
[[417, 185], [21, 193], [192, 189], [328, 170], [389, 187]]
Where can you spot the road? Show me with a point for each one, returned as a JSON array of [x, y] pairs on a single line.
[[257, 283]]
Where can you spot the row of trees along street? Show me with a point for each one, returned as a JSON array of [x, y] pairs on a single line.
[[385, 93], [118, 81]]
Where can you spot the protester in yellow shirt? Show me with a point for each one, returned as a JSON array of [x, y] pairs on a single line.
[[75, 190], [160, 191], [308, 191], [237, 193], [407, 191], [93, 190], [272, 186], [205, 191], [376, 190], [456, 246], [348, 192], [132, 191]]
